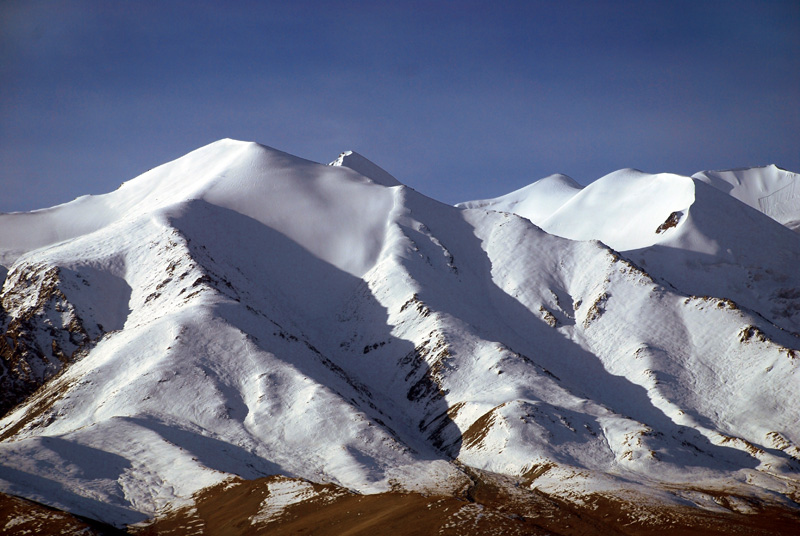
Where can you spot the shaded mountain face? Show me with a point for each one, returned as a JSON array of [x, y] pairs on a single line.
[[241, 313]]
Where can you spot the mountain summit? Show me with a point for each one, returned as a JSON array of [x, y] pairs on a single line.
[[243, 323], [356, 162]]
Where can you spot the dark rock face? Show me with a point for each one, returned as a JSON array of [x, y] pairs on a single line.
[[40, 332]]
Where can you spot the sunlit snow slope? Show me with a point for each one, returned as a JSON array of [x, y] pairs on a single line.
[[241, 311], [700, 239]]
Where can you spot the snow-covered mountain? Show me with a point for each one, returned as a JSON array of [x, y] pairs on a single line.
[[241, 313], [696, 238]]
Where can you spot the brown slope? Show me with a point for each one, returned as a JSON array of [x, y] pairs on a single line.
[[492, 505], [21, 516]]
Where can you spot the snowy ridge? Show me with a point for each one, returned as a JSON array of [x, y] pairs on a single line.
[[248, 178], [359, 164], [536, 202], [769, 189], [249, 313], [698, 239]]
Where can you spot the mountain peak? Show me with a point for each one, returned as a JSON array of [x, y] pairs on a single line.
[[362, 165], [536, 201], [560, 178], [340, 337]]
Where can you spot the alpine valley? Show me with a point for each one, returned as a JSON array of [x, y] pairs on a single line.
[[245, 342]]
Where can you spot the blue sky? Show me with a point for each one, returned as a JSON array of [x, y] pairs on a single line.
[[460, 100]]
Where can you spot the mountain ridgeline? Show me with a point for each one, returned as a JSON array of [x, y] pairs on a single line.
[[245, 330]]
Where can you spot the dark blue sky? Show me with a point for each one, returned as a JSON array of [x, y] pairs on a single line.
[[459, 100]]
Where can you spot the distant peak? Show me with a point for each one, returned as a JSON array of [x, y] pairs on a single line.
[[356, 162], [560, 178], [744, 168]]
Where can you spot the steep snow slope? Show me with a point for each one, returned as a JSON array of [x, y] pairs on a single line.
[[689, 235], [623, 209], [271, 187], [770, 189], [257, 314], [248, 178], [728, 250], [220, 340]]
